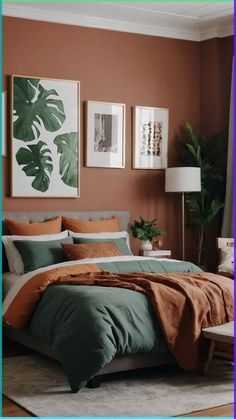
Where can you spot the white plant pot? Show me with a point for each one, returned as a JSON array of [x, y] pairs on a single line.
[[145, 245]]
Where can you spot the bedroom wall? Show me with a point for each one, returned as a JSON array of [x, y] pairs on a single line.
[[118, 67], [216, 57]]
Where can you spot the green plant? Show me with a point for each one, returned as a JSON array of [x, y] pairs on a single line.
[[204, 206], [35, 107], [68, 166], [37, 162], [145, 230]]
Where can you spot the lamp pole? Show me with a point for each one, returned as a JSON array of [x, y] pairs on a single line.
[[183, 225]]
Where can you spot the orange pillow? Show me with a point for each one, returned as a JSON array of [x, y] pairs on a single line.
[[90, 250], [98, 226], [17, 228]]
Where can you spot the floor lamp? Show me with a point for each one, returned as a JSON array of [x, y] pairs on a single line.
[[183, 179]]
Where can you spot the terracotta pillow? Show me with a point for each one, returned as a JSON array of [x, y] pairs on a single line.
[[90, 250], [17, 228], [98, 226]]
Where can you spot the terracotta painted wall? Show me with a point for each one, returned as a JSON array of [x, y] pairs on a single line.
[[216, 57], [118, 67]]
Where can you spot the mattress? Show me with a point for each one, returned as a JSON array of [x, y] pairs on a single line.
[[8, 280]]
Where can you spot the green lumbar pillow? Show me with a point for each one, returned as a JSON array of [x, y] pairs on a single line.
[[39, 254], [120, 243]]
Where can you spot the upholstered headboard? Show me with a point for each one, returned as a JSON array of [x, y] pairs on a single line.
[[37, 216]]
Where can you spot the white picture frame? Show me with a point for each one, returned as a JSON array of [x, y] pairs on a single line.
[[150, 138], [4, 124], [105, 139], [45, 143]]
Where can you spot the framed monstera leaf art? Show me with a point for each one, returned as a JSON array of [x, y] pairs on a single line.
[[45, 137]]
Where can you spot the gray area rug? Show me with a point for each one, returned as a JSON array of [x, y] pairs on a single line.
[[39, 385]]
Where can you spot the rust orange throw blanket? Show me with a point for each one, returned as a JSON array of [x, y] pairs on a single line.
[[184, 303]]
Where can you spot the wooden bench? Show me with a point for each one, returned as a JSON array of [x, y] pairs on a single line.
[[224, 334]]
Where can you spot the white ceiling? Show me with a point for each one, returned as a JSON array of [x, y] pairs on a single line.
[[195, 21]]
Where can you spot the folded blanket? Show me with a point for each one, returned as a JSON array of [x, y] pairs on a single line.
[[184, 303]]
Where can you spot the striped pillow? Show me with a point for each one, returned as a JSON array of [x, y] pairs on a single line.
[[90, 250]]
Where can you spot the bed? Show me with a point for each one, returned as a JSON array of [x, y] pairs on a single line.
[[96, 330]]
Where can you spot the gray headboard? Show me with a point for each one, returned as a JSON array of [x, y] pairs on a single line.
[[37, 216]]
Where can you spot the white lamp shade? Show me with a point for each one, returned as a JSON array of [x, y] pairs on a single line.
[[183, 179]]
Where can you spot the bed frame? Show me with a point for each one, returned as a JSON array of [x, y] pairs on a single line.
[[23, 337]]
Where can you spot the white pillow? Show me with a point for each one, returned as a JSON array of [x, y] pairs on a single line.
[[118, 235], [227, 260], [15, 261]]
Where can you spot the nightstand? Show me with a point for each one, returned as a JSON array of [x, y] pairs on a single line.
[[156, 253]]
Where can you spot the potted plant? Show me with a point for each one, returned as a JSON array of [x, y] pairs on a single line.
[[145, 231], [204, 206]]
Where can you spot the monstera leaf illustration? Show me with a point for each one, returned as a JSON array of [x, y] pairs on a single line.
[[67, 147], [37, 163], [35, 107]]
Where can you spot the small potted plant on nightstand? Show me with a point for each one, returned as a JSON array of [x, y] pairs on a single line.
[[145, 231]]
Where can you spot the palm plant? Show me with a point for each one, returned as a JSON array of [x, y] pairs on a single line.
[[204, 206]]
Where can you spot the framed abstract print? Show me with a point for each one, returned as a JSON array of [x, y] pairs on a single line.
[[150, 142], [105, 146], [44, 137]]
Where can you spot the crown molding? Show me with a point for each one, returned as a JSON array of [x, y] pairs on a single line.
[[216, 32], [13, 10]]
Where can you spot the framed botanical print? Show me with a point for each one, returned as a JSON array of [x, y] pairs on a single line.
[[44, 137], [105, 146], [150, 142]]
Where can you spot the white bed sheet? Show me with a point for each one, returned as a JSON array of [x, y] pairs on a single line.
[[8, 280]]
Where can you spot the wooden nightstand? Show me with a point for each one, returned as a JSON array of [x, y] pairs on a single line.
[[156, 253]]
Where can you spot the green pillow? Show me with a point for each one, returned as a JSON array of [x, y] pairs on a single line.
[[38, 254], [120, 243]]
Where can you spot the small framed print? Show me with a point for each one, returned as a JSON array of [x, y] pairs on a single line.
[[105, 146], [150, 141], [4, 123]]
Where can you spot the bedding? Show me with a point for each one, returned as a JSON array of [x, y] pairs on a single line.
[[88, 326], [37, 254], [102, 236], [8, 280], [15, 262], [98, 226], [32, 229], [120, 243], [90, 250]]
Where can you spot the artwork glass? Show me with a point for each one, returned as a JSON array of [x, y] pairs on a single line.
[[105, 135], [45, 141], [150, 138]]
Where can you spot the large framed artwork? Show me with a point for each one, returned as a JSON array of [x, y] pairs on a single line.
[[44, 137], [105, 146], [150, 140]]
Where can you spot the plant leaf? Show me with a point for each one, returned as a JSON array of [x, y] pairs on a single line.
[[37, 164], [34, 108], [67, 146]]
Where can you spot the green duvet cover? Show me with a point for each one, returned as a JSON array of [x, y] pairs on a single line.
[[90, 325]]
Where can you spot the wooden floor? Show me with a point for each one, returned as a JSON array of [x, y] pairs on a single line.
[[11, 409]]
